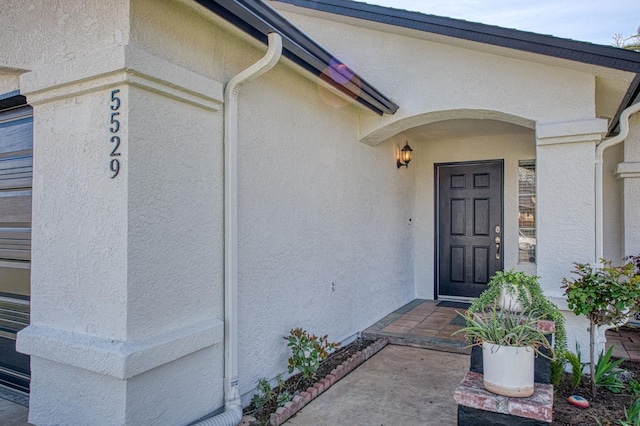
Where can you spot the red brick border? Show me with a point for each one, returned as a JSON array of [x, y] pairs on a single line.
[[282, 414]]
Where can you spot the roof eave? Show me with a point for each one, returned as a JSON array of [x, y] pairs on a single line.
[[259, 19]]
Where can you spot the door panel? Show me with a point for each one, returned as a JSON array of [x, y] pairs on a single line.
[[469, 218], [16, 141]]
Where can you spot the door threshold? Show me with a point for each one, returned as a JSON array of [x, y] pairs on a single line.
[[456, 299]]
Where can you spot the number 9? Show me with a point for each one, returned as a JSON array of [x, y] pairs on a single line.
[[115, 167]]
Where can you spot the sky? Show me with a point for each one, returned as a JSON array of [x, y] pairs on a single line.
[[595, 21]]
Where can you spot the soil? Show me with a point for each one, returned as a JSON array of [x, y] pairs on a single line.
[[296, 383], [604, 408]]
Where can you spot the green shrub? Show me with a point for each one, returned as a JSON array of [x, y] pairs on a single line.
[[605, 295], [307, 351]]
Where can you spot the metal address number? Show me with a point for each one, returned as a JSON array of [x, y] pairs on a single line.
[[114, 128]]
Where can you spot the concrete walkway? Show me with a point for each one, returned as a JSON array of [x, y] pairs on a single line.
[[398, 386], [12, 414]]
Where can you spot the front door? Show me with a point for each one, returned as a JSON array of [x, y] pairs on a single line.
[[16, 140], [469, 227]]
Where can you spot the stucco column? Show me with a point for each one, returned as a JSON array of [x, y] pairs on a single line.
[[127, 241], [565, 165], [629, 172]]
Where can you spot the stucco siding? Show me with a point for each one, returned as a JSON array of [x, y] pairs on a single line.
[[423, 76], [36, 32], [325, 241], [612, 203]]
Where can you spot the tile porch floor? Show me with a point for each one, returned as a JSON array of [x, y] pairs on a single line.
[[422, 324]]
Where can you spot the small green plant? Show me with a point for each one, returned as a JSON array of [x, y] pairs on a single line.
[[576, 368], [634, 388], [557, 369], [605, 295], [266, 395], [605, 376], [506, 328], [632, 416], [307, 351]]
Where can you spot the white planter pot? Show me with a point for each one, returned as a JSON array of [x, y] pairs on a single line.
[[508, 370], [509, 301]]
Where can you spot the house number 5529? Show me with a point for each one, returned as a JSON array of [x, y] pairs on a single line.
[[114, 129]]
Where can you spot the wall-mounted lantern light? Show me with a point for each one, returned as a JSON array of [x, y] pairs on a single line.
[[405, 156]]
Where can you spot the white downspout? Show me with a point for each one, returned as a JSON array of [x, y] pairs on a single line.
[[232, 405], [624, 132]]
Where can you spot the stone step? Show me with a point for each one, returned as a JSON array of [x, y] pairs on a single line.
[[479, 407]]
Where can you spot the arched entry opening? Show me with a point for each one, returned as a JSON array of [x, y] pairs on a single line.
[[474, 199]]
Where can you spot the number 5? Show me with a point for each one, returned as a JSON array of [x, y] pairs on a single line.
[[115, 99], [115, 122]]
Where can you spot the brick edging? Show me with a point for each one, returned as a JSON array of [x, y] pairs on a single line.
[[282, 414]]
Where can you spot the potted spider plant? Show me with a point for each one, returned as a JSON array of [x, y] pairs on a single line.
[[510, 342]]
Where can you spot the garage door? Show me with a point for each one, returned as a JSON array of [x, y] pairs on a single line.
[[16, 159]]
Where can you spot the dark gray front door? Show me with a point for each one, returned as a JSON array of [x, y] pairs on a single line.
[[469, 226]]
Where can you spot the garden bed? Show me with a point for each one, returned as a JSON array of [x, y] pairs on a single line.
[[336, 366], [606, 407]]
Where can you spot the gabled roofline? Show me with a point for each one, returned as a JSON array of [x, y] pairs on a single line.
[[259, 19], [572, 50], [580, 51]]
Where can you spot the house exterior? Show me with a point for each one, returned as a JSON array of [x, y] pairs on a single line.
[[160, 234]]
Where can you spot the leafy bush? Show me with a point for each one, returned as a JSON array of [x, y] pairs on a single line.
[[605, 295], [308, 351]]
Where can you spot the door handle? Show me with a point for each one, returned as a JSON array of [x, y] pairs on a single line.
[[497, 240]]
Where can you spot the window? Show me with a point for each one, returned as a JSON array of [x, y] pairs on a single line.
[[527, 211]]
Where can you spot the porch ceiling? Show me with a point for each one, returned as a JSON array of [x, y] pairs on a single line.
[[464, 128]]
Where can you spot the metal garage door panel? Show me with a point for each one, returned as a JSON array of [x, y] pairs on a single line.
[[16, 141]]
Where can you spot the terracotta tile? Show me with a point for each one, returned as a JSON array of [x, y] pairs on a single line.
[[423, 332], [634, 356], [412, 317], [631, 346], [393, 329], [403, 323], [619, 352]]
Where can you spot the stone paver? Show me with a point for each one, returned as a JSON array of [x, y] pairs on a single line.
[[398, 386], [626, 343], [424, 324]]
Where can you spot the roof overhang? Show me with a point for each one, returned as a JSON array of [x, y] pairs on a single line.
[[259, 19]]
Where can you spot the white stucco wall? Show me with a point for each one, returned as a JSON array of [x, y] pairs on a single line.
[[629, 172], [126, 272], [316, 207], [613, 205], [423, 76]]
